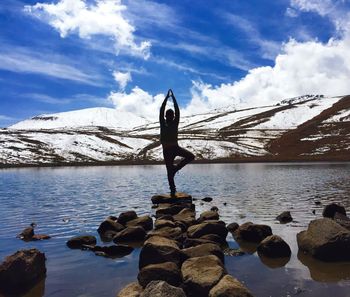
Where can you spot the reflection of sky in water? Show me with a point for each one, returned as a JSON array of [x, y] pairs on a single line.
[[69, 201]]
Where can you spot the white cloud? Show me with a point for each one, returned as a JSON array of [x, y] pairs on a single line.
[[104, 17], [138, 102], [122, 78], [22, 60], [302, 68], [322, 7]]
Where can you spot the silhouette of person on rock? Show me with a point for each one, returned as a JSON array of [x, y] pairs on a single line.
[[168, 138]]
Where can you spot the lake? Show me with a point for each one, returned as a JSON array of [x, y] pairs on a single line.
[[69, 201]]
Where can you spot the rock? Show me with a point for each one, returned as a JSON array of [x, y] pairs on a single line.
[[201, 274], [166, 217], [204, 250], [330, 210], [342, 220], [127, 216], [131, 290], [145, 222], [77, 242], [159, 249], [166, 198], [116, 251], [41, 237], [325, 240], [274, 246], [162, 289], [214, 208], [197, 231], [191, 242], [186, 216], [208, 215], [108, 235], [252, 232], [228, 286], [214, 238], [207, 199], [232, 227], [167, 271], [110, 225], [21, 271], [173, 209], [26, 234], [164, 223], [169, 232], [284, 217], [130, 234]]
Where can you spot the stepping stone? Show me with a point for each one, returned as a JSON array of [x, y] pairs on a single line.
[[167, 198]]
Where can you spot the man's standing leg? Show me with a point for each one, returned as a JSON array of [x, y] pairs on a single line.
[[169, 163]]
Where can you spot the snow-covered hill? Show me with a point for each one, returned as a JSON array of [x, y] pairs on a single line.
[[99, 116], [303, 128]]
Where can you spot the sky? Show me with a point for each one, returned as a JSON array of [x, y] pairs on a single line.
[[63, 55]]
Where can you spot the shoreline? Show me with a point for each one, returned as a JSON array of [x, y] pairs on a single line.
[[154, 162]]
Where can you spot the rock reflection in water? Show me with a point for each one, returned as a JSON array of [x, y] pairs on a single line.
[[274, 262], [324, 271]]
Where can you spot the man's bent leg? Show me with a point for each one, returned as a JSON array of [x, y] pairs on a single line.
[[187, 158]]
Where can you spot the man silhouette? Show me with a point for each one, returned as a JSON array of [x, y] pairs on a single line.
[[168, 139]]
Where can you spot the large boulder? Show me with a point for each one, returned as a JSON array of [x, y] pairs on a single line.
[[201, 274], [114, 251], [284, 217], [228, 286], [159, 224], [21, 271], [177, 198], [109, 225], [274, 246], [162, 289], [232, 227], [325, 240], [342, 220], [167, 271], [208, 215], [145, 222], [131, 290], [252, 232], [208, 227], [78, 242], [330, 210], [205, 249], [130, 234], [169, 232], [186, 216], [159, 249], [173, 209], [127, 216]]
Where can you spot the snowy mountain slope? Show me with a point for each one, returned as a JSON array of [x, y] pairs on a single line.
[[100, 116], [305, 128]]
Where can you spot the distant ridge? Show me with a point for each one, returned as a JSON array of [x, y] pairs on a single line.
[[306, 128]]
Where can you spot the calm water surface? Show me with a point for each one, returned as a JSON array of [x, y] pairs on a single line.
[[65, 202]]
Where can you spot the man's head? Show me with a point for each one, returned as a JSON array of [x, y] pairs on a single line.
[[169, 115]]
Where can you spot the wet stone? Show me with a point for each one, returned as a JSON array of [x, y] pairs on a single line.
[[229, 286], [166, 198], [145, 222], [284, 217], [130, 234], [167, 271], [21, 271], [252, 232], [162, 289], [127, 216], [77, 242], [274, 246], [131, 290]]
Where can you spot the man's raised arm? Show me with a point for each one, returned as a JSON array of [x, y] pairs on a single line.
[[177, 110], [162, 110]]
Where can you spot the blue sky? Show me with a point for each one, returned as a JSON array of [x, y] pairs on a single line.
[[63, 55]]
